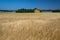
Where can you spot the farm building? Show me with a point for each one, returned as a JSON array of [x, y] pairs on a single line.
[[36, 10]]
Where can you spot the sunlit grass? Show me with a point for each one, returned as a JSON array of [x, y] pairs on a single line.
[[45, 28]]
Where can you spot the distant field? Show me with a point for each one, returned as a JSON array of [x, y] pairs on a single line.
[[30, 26]]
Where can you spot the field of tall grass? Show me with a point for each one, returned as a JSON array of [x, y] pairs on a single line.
[[29, 26]]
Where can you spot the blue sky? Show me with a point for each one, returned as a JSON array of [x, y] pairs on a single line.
[[41, 4]]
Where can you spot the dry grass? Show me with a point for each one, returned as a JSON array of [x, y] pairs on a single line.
[[30, 26]]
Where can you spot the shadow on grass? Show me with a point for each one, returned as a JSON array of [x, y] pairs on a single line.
[[1, 33]]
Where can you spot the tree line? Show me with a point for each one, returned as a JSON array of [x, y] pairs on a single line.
[[28, 10], [25, 10]]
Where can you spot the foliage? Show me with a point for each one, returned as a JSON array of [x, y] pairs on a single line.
[[57, 10], [25, 10]]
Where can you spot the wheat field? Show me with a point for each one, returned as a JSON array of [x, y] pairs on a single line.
[[30, 26]]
